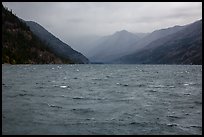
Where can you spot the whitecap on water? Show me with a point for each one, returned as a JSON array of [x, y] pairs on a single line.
[[50, 105], [187, 94], [96, 79], [179, 72], [125, 85], [151, 90], [59, 67], [157, 86], [186, 84], [173, 116], [173, 124], [63, 86], [171, 86], [90, 118], [78, 98]]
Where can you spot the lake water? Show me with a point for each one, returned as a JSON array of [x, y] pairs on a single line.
[[102, 99]]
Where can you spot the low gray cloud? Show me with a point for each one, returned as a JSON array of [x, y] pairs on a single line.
[[69, 20]]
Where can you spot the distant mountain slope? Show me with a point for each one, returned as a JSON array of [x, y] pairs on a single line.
[[122, 43], [181, 47], [111, 47], [141, 35], [21, 46], [55, 45], [157, 34]]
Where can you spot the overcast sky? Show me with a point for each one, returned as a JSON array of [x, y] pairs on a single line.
[[68, 20]]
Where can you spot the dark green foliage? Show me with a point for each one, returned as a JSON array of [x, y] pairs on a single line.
[[21, 46]]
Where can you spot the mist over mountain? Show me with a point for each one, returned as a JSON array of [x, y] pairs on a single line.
[[56, 45], [181, 45], [141, 35], [173, 45], [113, 46], [84, 44]]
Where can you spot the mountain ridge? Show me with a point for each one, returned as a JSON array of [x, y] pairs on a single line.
[[116, 45], [181, 47]]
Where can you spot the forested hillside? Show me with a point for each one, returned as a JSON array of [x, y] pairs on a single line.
[[21, 46]]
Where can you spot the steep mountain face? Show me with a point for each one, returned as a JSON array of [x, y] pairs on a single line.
[[56, 45], [181, 47], [111, 47], [21, 46]]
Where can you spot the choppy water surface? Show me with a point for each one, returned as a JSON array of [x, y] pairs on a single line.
[[101, 99]]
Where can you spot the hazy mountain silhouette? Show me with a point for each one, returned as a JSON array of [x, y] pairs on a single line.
[[121, 43], [182, 45], [111, 47]]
